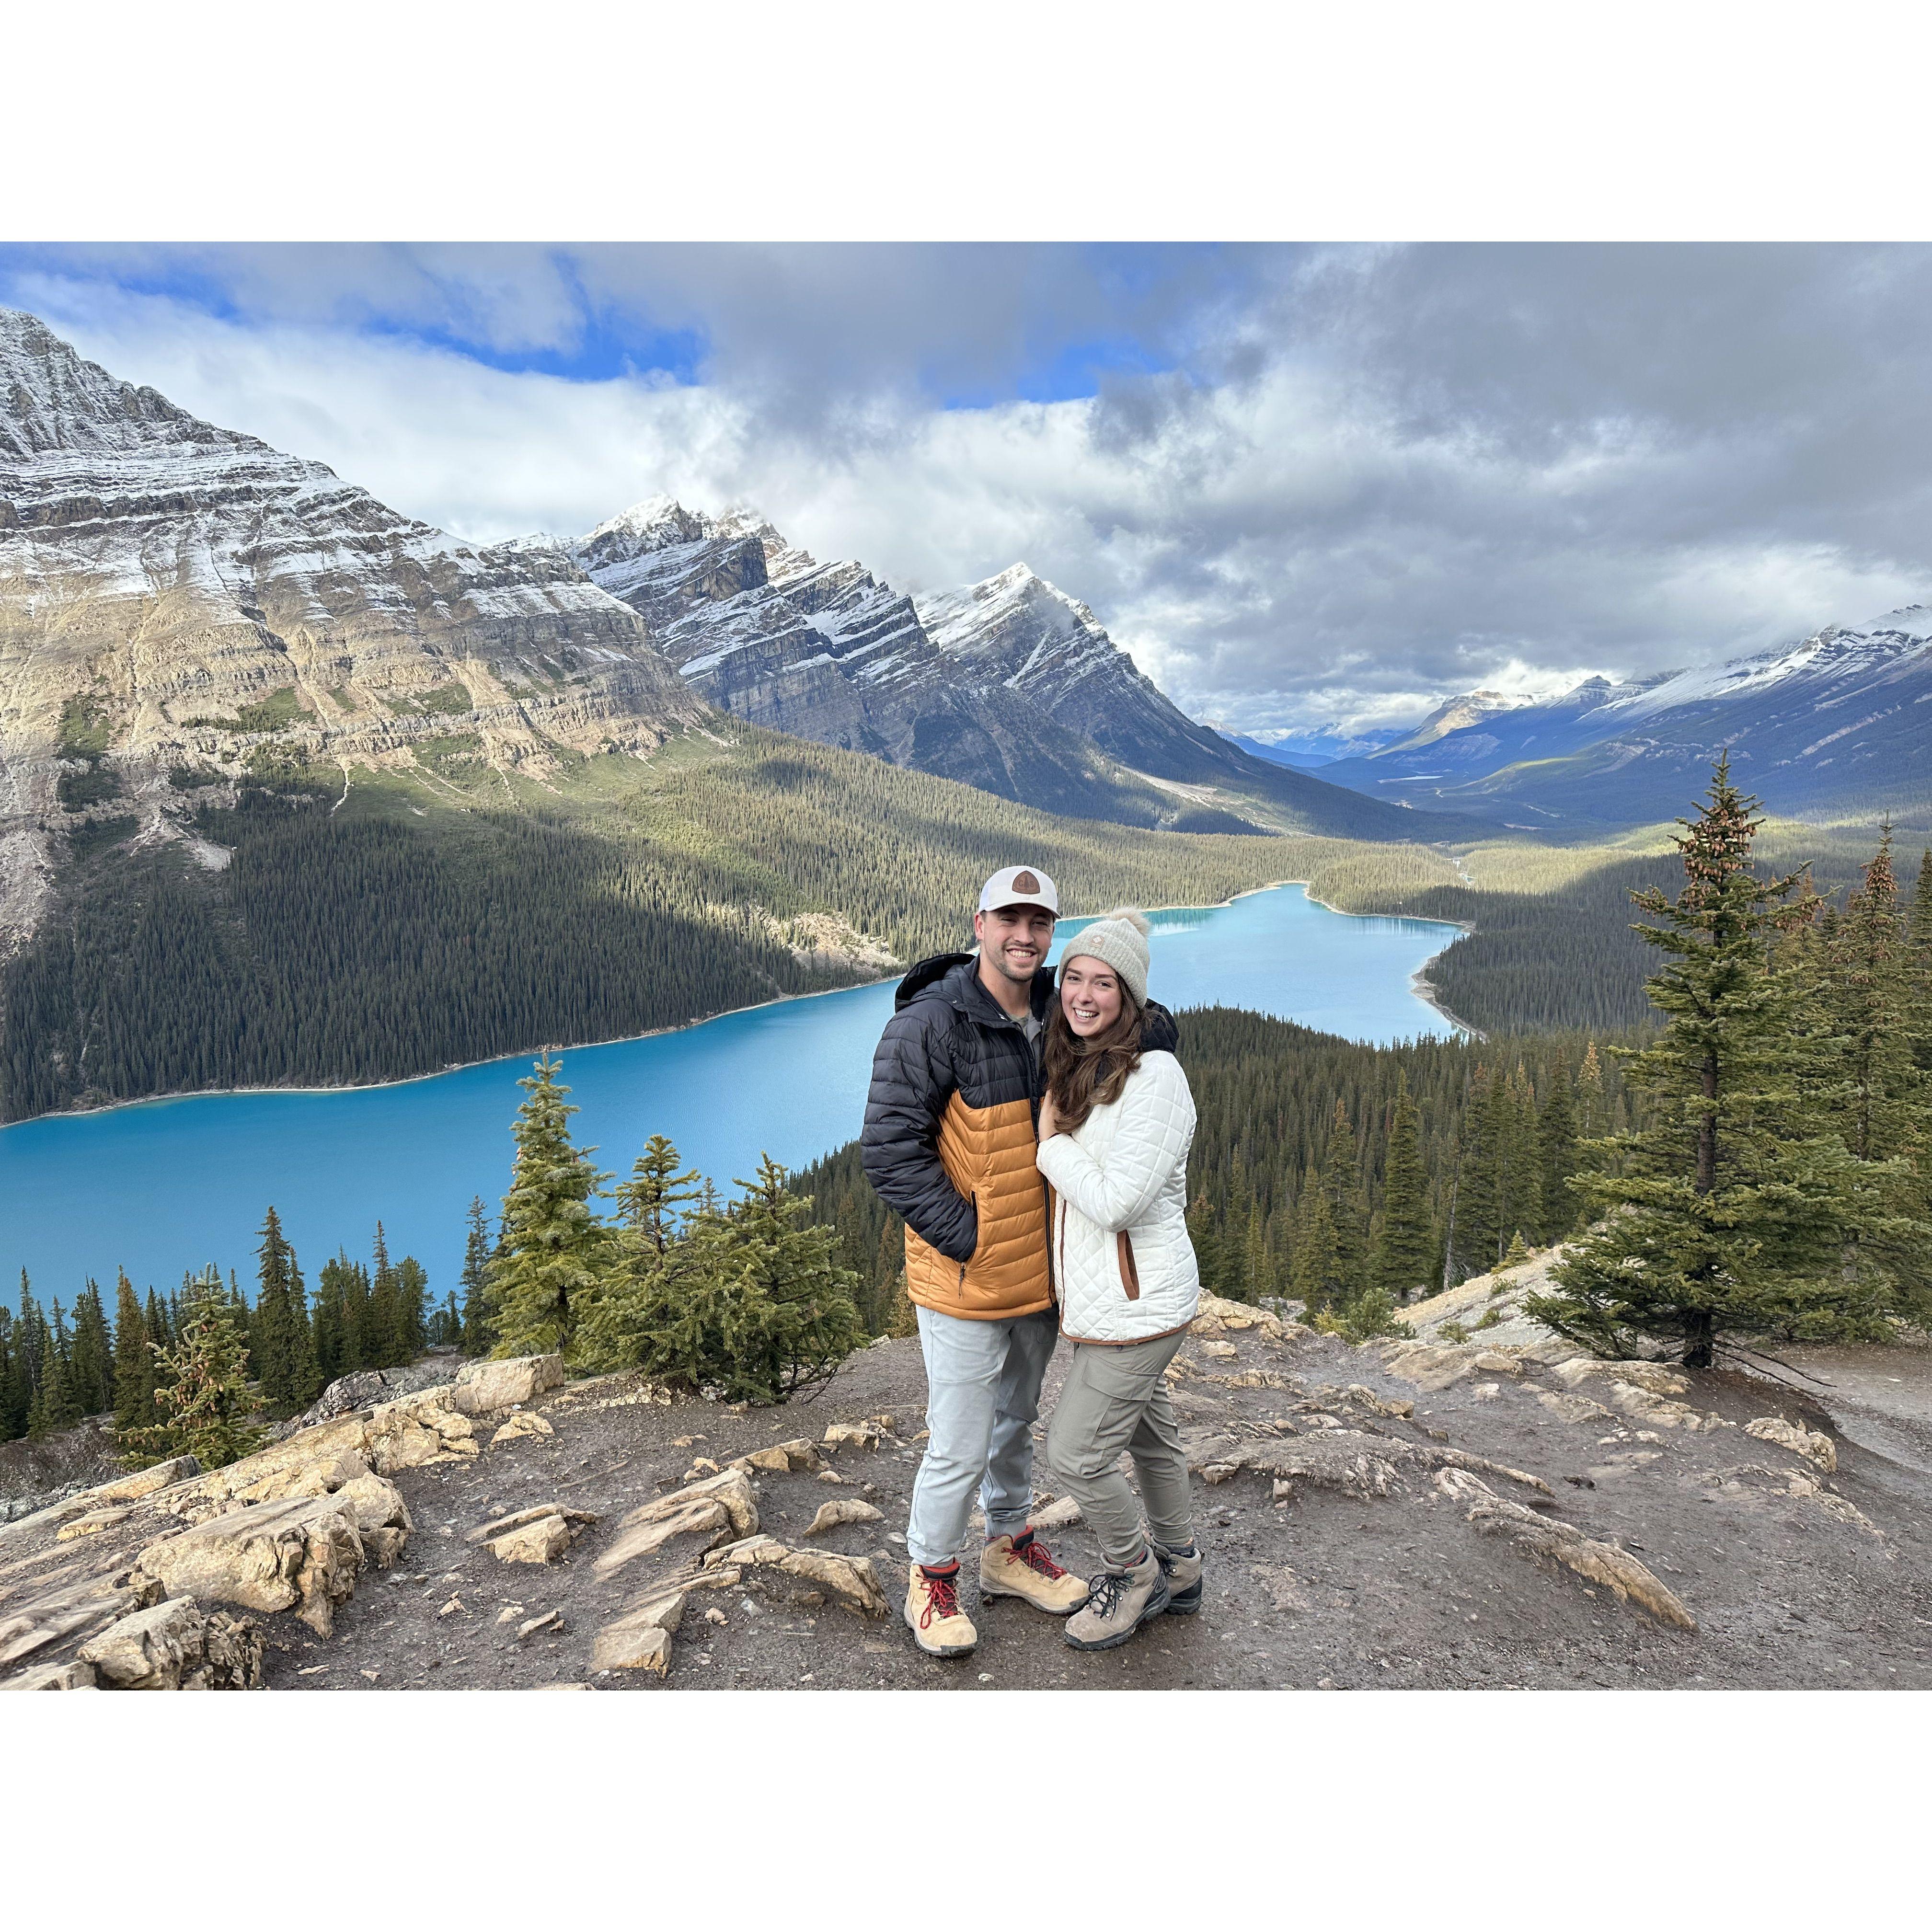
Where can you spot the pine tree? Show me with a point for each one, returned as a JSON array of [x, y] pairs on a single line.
[[55, 1409], [1725, 1214], [1406, 1242], [382, 1344], [274, 1347], [1209, 1258], [326, 1320], [1315, 1270], [16, 1399], [1525, 1171], [1347, 1211], [1859, 1020], [412, 1300], [751, 1300], [475, 1339], [1592, 1121], [1556, 1156], [554, 1246], [207, 1408], [1480, 1206], [159, 1332], [92, 1367], [1920, 929], [133, 1362], [652, 1202]]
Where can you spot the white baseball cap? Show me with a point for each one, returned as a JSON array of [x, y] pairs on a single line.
[[1019, 885]]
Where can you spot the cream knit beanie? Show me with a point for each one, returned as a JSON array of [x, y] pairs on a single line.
[[1118, 941]]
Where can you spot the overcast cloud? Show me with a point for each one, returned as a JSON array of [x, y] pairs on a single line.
[[1299, 485]]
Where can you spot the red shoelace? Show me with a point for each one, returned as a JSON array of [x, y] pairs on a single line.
[[942, 1598], [1033, 1553]]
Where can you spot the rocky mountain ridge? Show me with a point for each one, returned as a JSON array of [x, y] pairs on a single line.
[[176, 594], [1009, 685]]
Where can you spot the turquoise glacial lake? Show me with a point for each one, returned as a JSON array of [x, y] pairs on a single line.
[[160, 1186]]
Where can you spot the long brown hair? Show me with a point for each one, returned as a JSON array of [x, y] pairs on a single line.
[[1084, 1074]]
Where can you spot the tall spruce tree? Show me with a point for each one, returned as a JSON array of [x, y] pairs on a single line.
[[382, 1341], [15, 1398], [411, 1304], [1592, 1120], [275, 1344], [1348, 1208], [1859, 1021], [133, 1362], [1481, 1207], [1406, 1239], [555, 1248], [1726, 1214], [474, 1339], [1556, 1156], [156, 1313], [1315, 1274], [55, 1409], [93, 1354]]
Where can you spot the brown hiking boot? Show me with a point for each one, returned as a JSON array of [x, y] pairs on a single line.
[[939, 1626], [1123, 1600], [1021, 1567]]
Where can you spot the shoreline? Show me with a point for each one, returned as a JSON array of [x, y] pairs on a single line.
[[1417, 982]]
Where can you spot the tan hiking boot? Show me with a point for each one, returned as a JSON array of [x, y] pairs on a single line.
[[939, 1626], [1022, 1567], [1123, 1600], [1182, 1568]]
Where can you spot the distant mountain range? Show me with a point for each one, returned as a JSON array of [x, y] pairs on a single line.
[[1009, 685], [1309, 751], [1829, 728]]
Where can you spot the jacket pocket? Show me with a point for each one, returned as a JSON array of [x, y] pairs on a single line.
[[1130, 1278]]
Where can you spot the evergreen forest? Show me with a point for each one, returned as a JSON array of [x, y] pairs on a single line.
[[1754, 1161]]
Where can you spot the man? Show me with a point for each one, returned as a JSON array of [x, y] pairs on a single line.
[[950, 1133]]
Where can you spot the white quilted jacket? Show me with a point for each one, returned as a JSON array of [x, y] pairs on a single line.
[[1122, 1265]]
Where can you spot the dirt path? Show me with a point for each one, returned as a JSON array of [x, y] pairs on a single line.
[[1794, 1578], [1880, 1398]]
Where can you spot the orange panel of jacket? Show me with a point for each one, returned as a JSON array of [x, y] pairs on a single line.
[[987, 1153]]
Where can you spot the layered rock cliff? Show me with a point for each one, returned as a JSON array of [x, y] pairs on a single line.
[[825, 651], [172, 593]]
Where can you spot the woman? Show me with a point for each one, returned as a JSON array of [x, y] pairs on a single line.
[[1114, 1129]]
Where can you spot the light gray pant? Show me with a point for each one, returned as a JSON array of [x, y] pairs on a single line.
[[982, 1398], [1116, 1398]]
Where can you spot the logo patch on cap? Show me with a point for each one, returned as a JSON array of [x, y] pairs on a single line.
[[1025, 882]]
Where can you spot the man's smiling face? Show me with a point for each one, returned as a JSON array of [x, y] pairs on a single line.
[[1015, 939]]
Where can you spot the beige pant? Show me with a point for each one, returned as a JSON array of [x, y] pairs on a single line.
[[1116, 1398]]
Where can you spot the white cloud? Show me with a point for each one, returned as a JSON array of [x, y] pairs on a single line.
[[1384, 476]]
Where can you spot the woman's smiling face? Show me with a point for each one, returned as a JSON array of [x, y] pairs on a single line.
[[1089, 995]]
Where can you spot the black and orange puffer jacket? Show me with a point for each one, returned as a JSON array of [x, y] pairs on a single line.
[[949, 1142]]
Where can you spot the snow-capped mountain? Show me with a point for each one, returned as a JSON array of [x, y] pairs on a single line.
[[170, 590], [1009, 685], [1829, 725], [1477, 733]]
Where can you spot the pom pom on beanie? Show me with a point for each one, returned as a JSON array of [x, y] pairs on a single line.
[[1120, 943]]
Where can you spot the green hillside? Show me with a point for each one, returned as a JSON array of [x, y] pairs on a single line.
[[449, 913]]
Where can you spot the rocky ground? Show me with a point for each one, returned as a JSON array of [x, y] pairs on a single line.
[[1477, 1507]]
